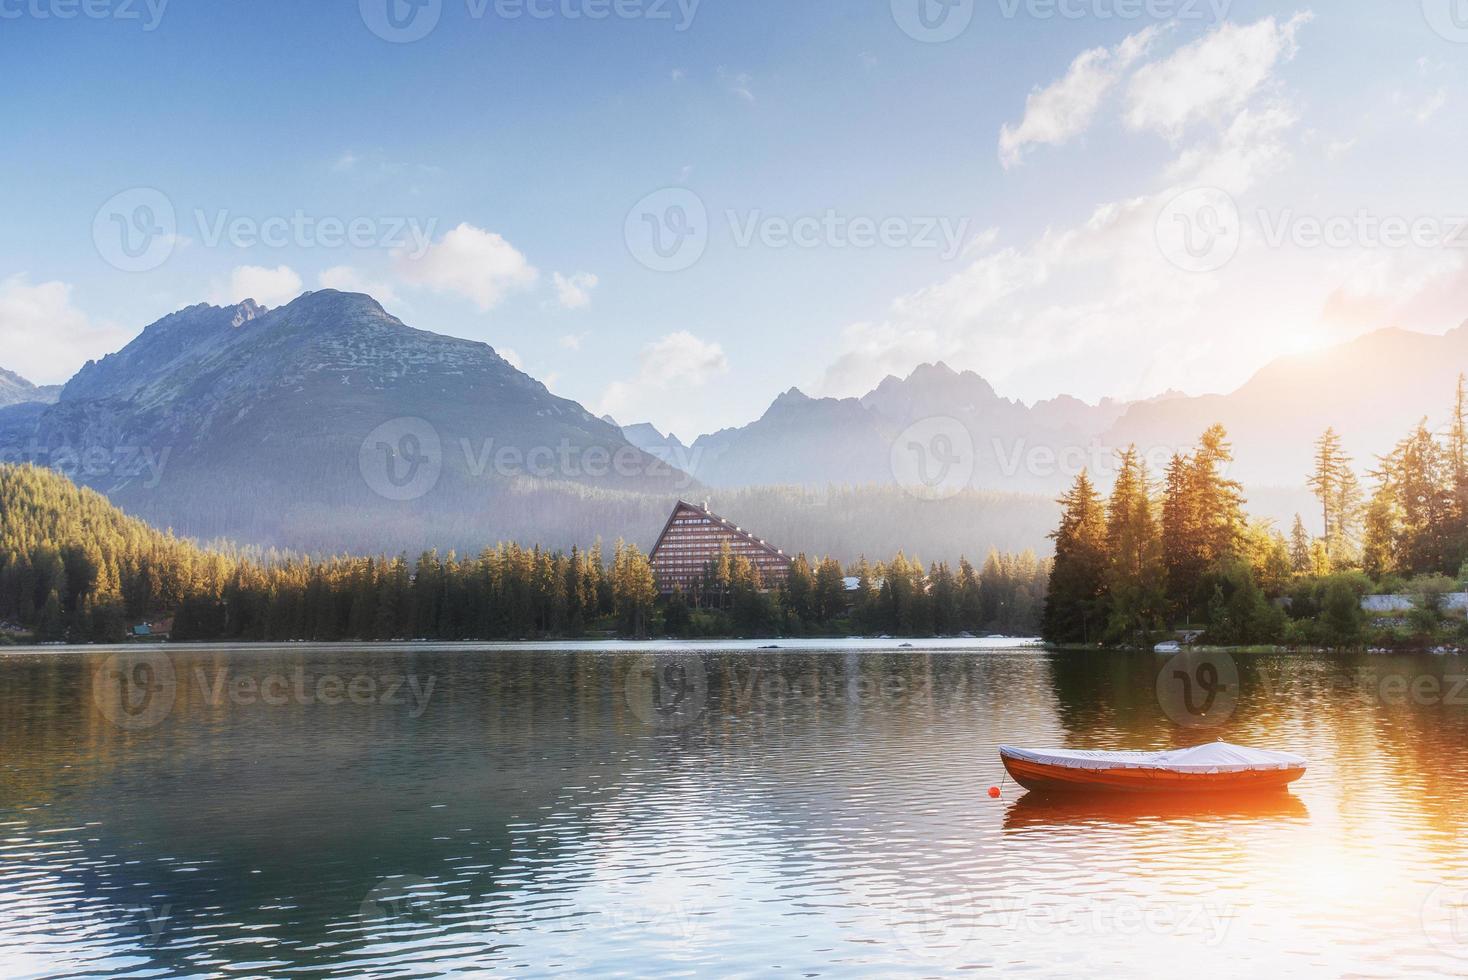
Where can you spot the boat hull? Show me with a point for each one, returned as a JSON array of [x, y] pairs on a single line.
[[1047, 778]]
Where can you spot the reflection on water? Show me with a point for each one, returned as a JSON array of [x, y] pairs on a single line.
[[1039, 812], [399, 811]]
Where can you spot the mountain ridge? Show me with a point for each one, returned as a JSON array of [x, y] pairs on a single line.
[[294, 426], [15, 390]]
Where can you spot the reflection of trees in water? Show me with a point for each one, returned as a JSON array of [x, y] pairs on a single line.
[[270, 803], [1109, 701]]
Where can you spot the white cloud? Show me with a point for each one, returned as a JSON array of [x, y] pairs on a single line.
[[470, 262], [43, 337], [268, 287], [679, 363], [681, 357], [350, 280], [1066, 108], [574, 292], [1211, 78], [572, 341], [1236, 158], [1064, 310], [511, 356]]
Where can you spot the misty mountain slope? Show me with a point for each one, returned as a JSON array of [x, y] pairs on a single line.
[[801, 441], [327, 424], [668, 448], [15, 390], [819, 442], [1373, 390]]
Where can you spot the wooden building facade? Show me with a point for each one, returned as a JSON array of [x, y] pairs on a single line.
[[692, 539]]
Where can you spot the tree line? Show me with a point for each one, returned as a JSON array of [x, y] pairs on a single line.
[[1157, 554], [75, 568]]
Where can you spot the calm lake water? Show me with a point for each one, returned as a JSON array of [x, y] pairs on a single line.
[[416, 811]]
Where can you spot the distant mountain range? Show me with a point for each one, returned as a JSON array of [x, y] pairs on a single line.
[[1372, 390], [15, 390], [815, 442], [328, 424]]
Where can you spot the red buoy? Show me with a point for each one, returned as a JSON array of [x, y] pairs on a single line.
[[994, 792]]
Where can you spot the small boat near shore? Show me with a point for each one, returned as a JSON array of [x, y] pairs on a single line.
[[1215, 768]]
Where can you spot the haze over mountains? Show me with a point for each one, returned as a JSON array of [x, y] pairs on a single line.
[[328, 425], [15, 390], [1372, 390]]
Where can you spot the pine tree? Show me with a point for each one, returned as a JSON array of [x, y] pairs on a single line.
[[830, 599], [1134, 586], [1336, 487], [1220, 500], [1183, 558], [1077, 579], [1382, 531], [1299, 547]]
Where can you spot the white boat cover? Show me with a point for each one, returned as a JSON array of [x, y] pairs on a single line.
[[1219, 757]]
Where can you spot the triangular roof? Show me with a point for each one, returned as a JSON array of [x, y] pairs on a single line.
[[684, 507]]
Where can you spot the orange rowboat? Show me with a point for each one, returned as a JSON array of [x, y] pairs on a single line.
[[1216, 768]]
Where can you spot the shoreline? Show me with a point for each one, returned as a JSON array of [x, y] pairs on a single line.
[[796, 645], [859, 644]]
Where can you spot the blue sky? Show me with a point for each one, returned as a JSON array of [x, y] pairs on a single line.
[[520, 145]]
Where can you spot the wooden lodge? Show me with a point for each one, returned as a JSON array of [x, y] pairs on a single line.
[[692, 539]]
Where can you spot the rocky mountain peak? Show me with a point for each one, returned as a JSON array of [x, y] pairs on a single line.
[[247, 311]]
